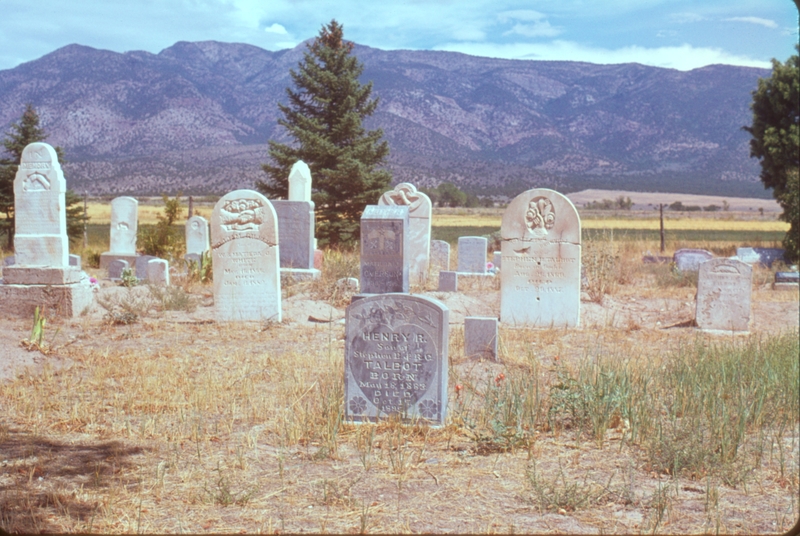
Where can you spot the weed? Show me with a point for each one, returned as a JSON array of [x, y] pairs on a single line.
[[173, 298], [561, 493], [600, 261], [126, 307], [128, 278]]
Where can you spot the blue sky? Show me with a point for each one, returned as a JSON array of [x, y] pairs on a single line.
[[679, 34]]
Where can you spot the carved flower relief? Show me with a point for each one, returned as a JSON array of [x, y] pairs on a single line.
[[428, 409], [357, 405], [540, 216]]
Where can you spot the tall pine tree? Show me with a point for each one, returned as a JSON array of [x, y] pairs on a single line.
[[23, 133], [324, 117]]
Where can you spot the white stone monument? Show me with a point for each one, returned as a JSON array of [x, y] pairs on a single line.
[[541, 258], [300, 182], [723, 295], [124, 224], [419, 227], [245, 256], [197, 241]]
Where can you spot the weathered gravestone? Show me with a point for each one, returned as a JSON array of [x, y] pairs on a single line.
[[497, 259], [764, 256], [396, 358], [158, 272], [124, 223], [244, 253], [419, 227], [140, 267], [541, 256], [723, 295], [472, 255], [480, 337], [296, 231], [41, 274], [689, 260], [300, 182], [448, 281], [786, 281], [384, 249], [197, 241], [115, 269], [440, 255]]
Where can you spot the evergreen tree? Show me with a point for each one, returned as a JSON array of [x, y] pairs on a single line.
[[776, 142], [324, 117], [23, 133]]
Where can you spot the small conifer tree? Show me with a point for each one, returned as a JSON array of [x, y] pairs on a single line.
[[324, 117]]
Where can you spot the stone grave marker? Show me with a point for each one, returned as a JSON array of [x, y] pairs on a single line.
[[748, 255], [497, 259], [396, 358], [480, 337], [448, 281], [296, 231], [245, 256], [419, 227], [767, 256], [786, 281], [472, 254], [197, 241], [689, 260], [723, 295], [158, 272], [541, 259], [300, 182], [141, 266], [75, 260], [384, 249], [116, 267], [124, 224], [440, 255]]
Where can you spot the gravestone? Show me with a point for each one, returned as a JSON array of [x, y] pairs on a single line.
[[472, 254], [384, 249], [497, 259], [541, 258], [158, 272], [75, 260], [419, 227], [141, 266], [723, 295], [480, 337], [786, 281], [347, 285], [767, 256], [689, 260], [245, 256], [41, 274], [747, 255], [448, 281], [116, 267], [440, 255], [124, 224], [300, 182], [296, 231], [197, 241], [396, 358]]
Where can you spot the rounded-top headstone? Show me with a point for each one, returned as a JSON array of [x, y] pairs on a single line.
[[300, 182], [124, 223], [541, 214]]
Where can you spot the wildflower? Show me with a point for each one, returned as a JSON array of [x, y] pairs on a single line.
[[459, 387], [500, 377]]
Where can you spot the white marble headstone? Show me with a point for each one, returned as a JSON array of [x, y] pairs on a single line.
[[723, 295], [419, 227], [472, 254], [300, 182], [124, 223], [197, 240]]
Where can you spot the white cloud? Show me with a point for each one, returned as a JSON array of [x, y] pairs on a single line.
[[529, 23], [754, 20], [684, 57], [276, 29], [685, 18]]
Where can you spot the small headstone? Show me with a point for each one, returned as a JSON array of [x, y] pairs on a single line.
[[767, 256], [497, 258], [197, 241], [480, 337], [723, 295], [300, 182], [440, 255], [296, 230], [384, 249], [787, 277], [419, 227], [396, 363], [747, 255], [158, 272], [689, 260], [124, 223], [141, 266], [347, 284], [448, 281], [541, 255], [244, 246], [115, 269], [472, 254], [75, 260]]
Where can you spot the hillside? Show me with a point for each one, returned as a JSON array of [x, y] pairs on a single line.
[[197, 116]]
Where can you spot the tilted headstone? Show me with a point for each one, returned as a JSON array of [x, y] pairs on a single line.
[[419, 227], [197, 240], [440, 255], [541, 256], [448, 281], [723, 295], [296, 230], [245, 256], [300, 182], [480, 337], [158, 272], [689, 260], [384, 249], [396, 358], [472, 254], [116, 267]]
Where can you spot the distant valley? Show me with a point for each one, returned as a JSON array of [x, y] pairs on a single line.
[[197, 116]]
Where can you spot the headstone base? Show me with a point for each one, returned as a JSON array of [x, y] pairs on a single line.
[[41, 275], [61, 300], [109, 256], [299, 274], [476, 275], [785, 286]]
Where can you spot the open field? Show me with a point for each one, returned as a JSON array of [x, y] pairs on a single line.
[[634, 422]]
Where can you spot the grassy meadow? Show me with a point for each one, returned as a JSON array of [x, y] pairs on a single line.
[[634, 423]]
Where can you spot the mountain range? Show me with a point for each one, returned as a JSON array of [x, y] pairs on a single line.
[[197, 116]]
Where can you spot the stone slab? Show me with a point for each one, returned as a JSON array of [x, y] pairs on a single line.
[[124, 225], [141, 266], [106, 258], [158, 272], [448, 281], [299, 274], [724, 288], [778, 285], [296, 231], [384, 249], [34, 275], [396, 359], [70, 301], [440, 255], [787, 277], [116, 267], [472, 254], [689, 260], [480, 337], [300, 182], [418, 235], [197, 236]]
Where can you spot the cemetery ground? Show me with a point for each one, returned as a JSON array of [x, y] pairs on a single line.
[[634, 422]]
